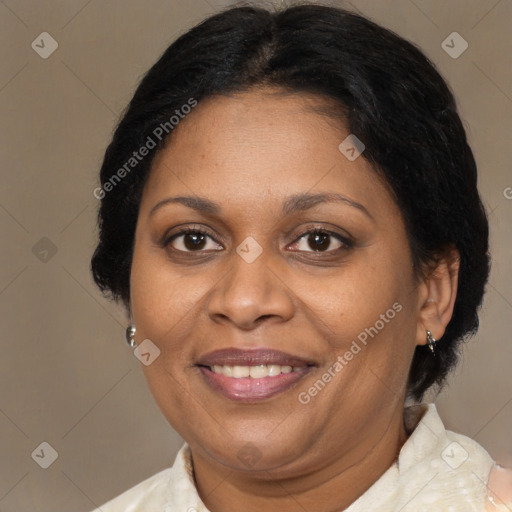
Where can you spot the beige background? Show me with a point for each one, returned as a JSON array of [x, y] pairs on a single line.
[[67, 376]]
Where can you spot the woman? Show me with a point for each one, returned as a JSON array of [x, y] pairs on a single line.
[[290, 217]]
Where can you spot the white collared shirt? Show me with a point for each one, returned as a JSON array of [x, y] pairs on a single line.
[[437, 471]]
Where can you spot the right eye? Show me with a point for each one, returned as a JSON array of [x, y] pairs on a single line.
[[190, 240]]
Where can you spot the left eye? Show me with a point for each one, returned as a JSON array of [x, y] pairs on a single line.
[[319, 241]]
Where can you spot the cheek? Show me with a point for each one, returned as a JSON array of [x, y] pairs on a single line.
[[374, 325], [357, 297], [163, 307], [168, 308], [159, 298]]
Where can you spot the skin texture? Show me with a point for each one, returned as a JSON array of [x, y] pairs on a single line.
[[248, 153]]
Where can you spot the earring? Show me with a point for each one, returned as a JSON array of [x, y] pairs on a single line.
[[130, 335], [431, 342]]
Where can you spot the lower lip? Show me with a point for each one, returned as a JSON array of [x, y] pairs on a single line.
[[247, 389]]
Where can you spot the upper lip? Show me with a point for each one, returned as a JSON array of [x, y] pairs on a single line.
[[252, 357]]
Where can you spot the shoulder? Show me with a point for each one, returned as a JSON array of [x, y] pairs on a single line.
[[499, 489], [151, 491]]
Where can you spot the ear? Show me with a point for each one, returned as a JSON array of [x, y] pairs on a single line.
[[437, 297]]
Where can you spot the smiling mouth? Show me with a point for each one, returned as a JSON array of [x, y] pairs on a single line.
[[250, 384], [252, 375]]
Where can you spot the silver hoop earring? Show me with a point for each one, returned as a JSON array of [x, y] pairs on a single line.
[[130, 335], [431, 342]]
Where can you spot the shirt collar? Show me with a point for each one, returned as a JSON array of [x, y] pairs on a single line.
[[431, 459]]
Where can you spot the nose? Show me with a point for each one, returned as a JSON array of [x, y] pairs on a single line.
[[249, 294]]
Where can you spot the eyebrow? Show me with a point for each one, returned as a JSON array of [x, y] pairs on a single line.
[[292, 204]]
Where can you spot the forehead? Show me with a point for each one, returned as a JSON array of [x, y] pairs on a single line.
[[262, 144], [240, 124]]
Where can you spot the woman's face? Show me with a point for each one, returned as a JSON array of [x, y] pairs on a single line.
[[340, 306]]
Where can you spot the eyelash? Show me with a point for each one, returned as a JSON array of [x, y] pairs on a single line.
[[347, 244]]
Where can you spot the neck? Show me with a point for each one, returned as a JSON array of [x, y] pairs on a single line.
[[331, 488]]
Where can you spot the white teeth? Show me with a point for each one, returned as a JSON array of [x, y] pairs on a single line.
[[240, 371], [255, 372], [258, 372], [274, 369]]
